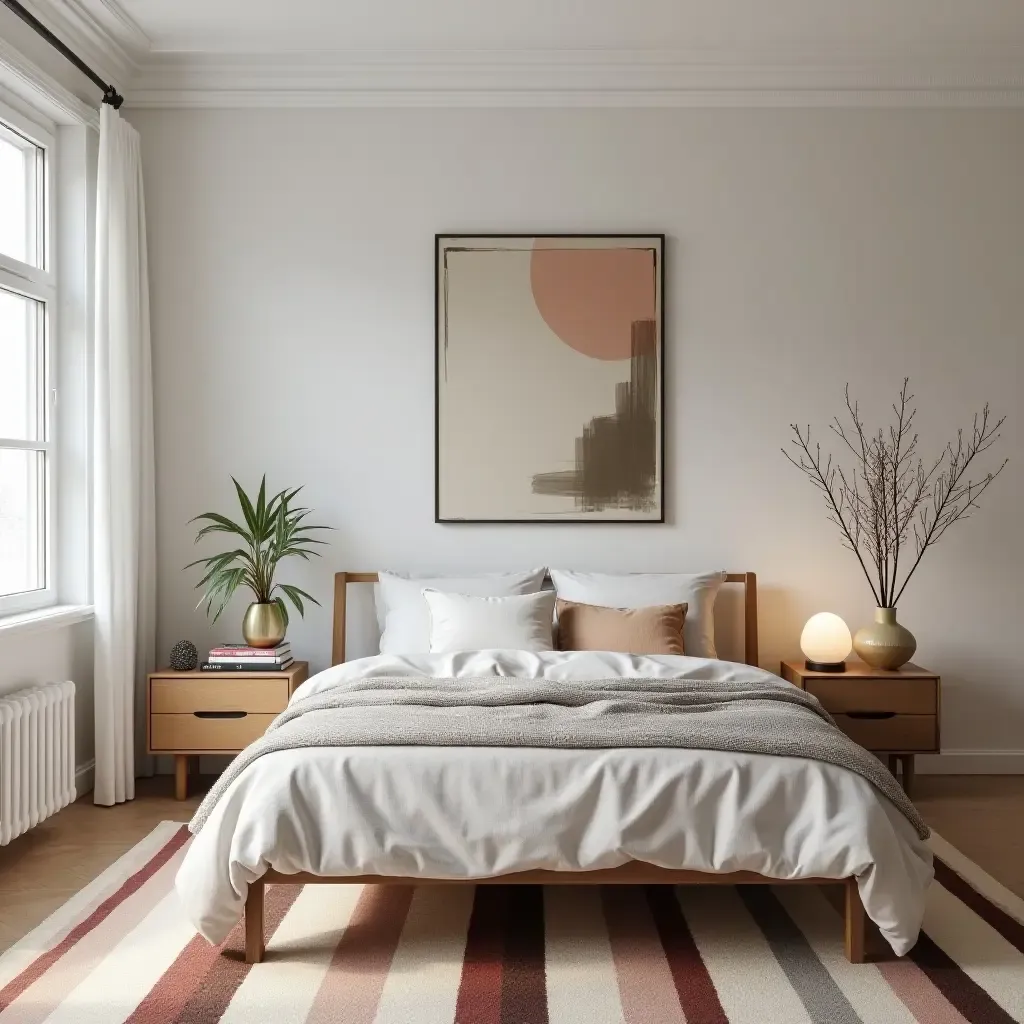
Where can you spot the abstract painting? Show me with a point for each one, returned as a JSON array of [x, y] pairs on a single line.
[[549, 378]]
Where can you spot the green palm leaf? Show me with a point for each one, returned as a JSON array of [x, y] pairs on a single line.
[[295, 595], [220, 524], [261, 505], [247, 510]]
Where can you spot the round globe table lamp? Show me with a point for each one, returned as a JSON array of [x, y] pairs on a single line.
[[826, 643]]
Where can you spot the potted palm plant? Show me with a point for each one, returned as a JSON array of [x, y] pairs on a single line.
[[891, 506], [273, 530]]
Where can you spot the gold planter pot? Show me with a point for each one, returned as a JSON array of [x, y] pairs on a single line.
[[263, 625], [885, 644]]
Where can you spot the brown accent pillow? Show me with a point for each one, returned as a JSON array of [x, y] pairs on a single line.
[[589, 627]]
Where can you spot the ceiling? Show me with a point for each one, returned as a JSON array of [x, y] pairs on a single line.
[[551, 52]]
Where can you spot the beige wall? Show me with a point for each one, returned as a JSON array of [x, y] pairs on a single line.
[[292, 285]]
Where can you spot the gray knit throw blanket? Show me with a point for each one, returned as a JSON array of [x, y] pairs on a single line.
[[759, 716]]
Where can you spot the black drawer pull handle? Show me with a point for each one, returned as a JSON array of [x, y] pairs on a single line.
[[871, 714], [220, 714]]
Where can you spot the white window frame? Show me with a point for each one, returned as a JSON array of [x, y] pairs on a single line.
[[39, 284]]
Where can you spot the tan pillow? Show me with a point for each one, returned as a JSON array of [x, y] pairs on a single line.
[[588, 627]]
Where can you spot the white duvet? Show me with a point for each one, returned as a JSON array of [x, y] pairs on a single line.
[[470, 812]]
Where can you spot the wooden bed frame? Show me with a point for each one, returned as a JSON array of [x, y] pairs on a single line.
[[631, 873]]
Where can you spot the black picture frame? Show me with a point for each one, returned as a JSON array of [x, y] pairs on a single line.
[[659, 241]]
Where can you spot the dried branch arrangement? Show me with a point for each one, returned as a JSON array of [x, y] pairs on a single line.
[[888, 503]]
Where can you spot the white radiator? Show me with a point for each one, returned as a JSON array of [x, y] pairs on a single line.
[[37, 756]]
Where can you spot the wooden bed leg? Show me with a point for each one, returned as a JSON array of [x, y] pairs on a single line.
[[855, 922], [254, 948]]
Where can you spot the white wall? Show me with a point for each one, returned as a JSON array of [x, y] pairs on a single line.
[[292, 287], [53, 655]]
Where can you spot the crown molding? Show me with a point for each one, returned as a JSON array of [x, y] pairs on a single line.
[[29, 89], [99, 31], [124, 26], [574, 78], [110, 41]]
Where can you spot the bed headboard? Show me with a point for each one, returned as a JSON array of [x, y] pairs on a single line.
[[343, 579]]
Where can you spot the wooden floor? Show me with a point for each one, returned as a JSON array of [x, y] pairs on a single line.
[[982, 815]]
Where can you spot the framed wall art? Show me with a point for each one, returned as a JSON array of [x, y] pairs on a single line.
[[549, 378]]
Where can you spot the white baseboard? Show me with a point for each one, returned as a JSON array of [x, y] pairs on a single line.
[[85, 778], [971, 762]]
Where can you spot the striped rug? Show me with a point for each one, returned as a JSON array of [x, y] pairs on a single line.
[[122, 950]]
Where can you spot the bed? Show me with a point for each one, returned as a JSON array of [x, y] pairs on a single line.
[[789, 820]]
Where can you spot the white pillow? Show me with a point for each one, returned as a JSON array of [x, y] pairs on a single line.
[[643, 589], [402, 612], [459, 622]]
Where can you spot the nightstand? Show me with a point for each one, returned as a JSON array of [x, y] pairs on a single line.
[[192, 713], [892, 713]]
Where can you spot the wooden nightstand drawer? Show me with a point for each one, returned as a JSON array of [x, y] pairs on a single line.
[[198, 712], [892, 732], [894, 713], [902, 696], [263, 695], [208, 734]]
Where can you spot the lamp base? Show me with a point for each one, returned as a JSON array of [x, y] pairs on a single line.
[[825, 666]]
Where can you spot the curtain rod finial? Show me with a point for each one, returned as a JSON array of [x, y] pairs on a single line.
[[113, 97]]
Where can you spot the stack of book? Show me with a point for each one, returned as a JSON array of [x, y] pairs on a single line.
[[239, 658]]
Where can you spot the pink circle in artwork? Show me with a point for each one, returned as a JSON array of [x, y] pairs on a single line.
[[591, 297]]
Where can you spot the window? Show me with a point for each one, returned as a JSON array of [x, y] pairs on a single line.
[[27, 304]]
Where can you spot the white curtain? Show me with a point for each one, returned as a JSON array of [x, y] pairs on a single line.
[[124, 533]]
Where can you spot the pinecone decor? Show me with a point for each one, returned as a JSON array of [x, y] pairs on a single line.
[[184, 656]]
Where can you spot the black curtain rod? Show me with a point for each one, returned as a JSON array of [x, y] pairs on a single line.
[[110, 94]]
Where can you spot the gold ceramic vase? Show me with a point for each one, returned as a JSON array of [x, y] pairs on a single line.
[[263, 625], [885, 644]]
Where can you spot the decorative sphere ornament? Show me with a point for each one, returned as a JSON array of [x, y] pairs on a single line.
[[184, 656]]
